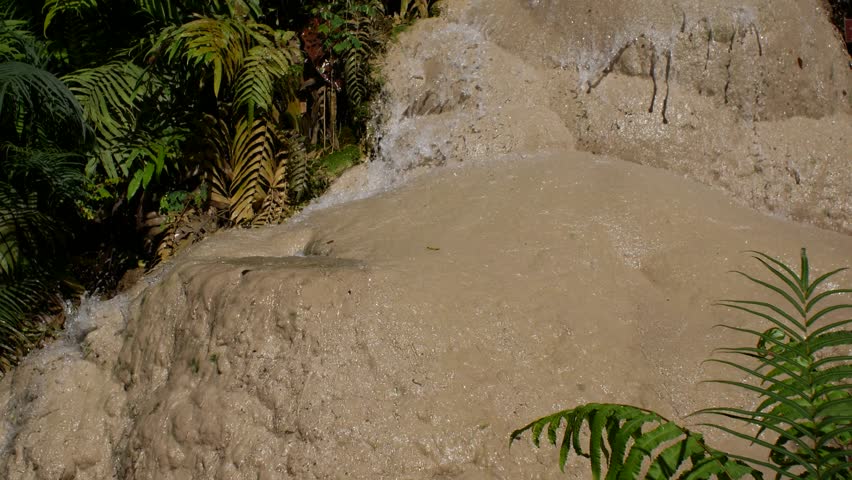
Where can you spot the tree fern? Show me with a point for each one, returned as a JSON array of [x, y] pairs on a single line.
[[803, 376]]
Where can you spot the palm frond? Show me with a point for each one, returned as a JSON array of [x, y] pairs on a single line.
[[219, 44], [274, 176], [624, 439], [355, 76], [253, 146], [17, 42], [57, 177], [298, 172], [268, 72], [108, 94], [163, 10], [23, 228], [52, 8], [801, 370], [17, 334], [38, 92]]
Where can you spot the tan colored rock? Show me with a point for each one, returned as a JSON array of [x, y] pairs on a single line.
[[711, 89], [430, 322]]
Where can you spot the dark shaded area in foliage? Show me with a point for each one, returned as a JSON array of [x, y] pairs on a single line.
[[839, 10]]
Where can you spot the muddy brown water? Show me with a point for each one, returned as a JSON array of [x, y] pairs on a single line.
[[497, 261]]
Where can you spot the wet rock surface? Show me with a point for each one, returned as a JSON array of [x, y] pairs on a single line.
[[749, 97]]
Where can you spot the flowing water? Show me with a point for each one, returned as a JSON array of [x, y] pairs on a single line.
[[510, 251]]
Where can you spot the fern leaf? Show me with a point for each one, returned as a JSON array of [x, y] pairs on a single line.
[[738, 305], [795, 304], [354, 76], [819, 281], [52, 8], [805, 398], [23, 86], [108, 95], [218, 43], [253, 147], [634, 436], [164, 10]]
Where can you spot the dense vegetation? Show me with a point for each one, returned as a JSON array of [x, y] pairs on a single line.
[[799, 369], [129, 127]]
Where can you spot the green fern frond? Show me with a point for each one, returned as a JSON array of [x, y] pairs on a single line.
[[266, 71], [624, 439], [355, 76], [801, 375], [22, 226], [108, 94], [23, 86], [52, 8], [801, 369], [299, 176], [274, 173], [163, 10], [17, 335], [253, 146], [411, 9], [219, 44], [17, 42]]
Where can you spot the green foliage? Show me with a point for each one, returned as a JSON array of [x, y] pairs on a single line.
[[353, 34], [38, 190], [336, 162], [108, 96], [628, 438], [178, 201], [410, 9], [253, 69], [17, 42], [124, 106], [802, 378], [802, 375], [52, 8], [29, 94]]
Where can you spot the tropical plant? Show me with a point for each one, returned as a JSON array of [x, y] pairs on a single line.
[[250, 69], [38, 194], [630, 438], [41, 180], [120, 102], [802, 376]]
